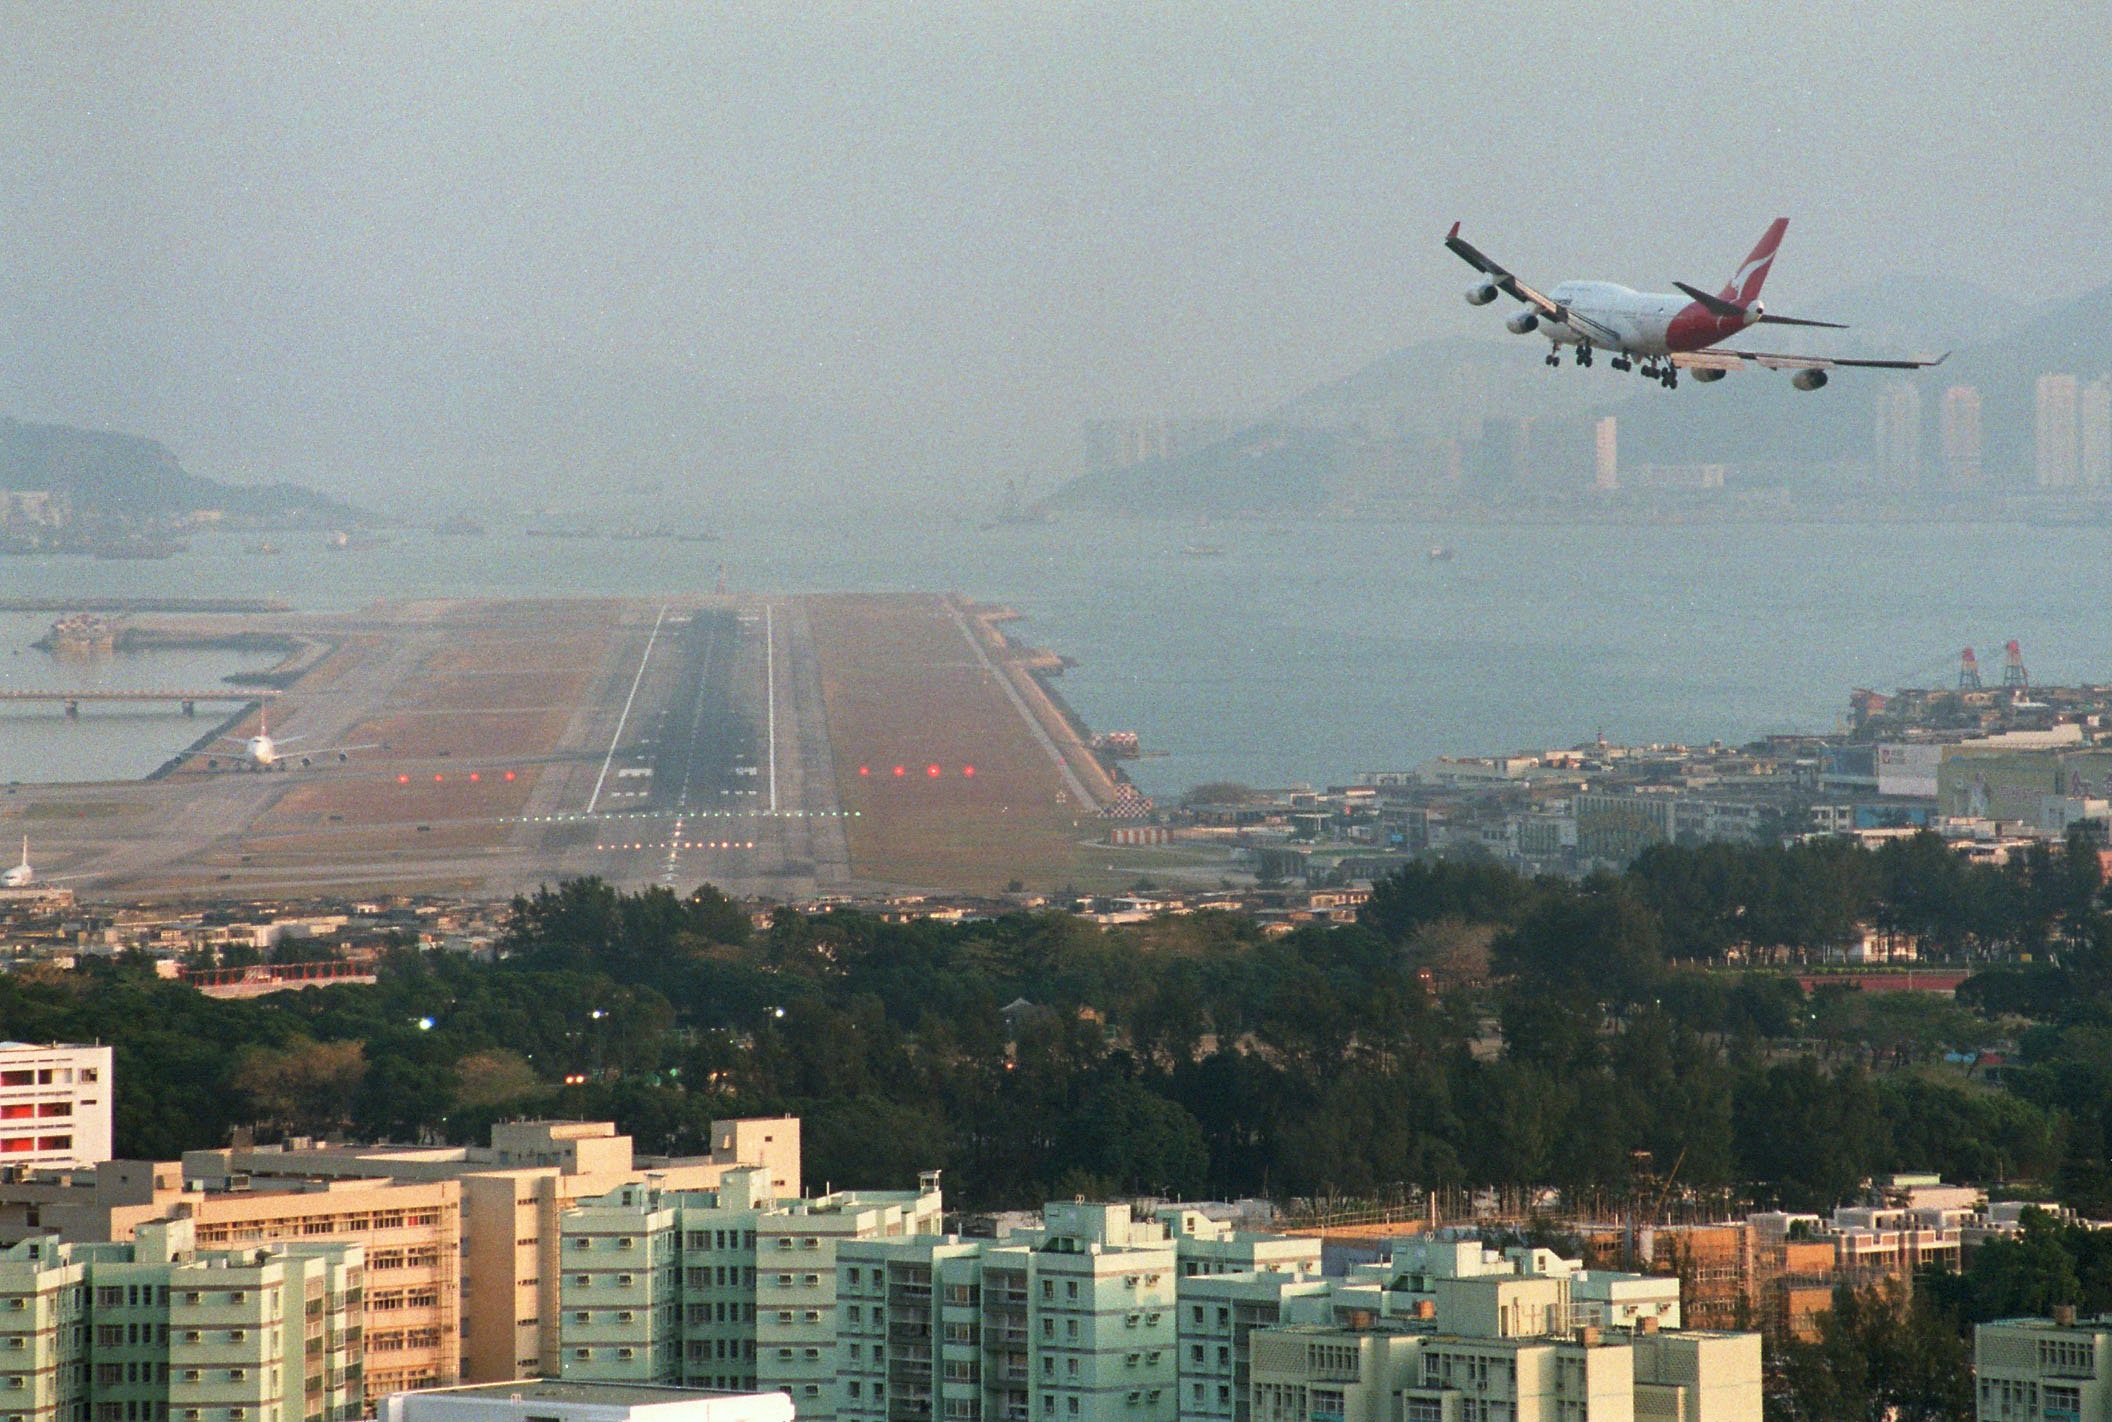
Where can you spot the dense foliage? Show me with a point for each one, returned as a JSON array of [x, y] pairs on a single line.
[[1475, 1028]]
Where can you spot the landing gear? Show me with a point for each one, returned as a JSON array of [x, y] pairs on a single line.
[[1620, 363], [1670, 377], [1553, 359], [1583, 353]]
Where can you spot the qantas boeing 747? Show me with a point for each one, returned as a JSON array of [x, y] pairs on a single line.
[[1663, 334]]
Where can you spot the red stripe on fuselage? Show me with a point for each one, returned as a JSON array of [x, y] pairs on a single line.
[[1694, 327]]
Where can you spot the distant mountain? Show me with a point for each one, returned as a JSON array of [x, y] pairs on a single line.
[[124, 478], [1297, 456], [1265, 468]]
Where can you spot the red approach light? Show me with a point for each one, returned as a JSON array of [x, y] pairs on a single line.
[[865, 770], [437, 778], [900, 772], [473, 775], [932, 771], [509, 775], [969, 771], [403, 780]]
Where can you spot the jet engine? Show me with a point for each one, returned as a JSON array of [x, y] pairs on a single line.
[[1481, 295], [1808, 379], [1523, 322], [1705, 375]]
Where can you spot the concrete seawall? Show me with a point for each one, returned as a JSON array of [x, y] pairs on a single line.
[[1025, 668]]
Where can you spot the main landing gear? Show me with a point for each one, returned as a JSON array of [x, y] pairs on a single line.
[[1620, 363], [1583, 353]]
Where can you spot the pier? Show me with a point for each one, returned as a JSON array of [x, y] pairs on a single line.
[[188, 700]]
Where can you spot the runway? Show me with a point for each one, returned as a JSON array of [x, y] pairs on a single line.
[[668, 743]]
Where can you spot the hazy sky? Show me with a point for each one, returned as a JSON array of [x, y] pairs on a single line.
[[437, 246]]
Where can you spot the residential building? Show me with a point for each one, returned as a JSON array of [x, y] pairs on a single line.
[[1606, 455], [411, 1235], [513, 1193], [2094, 433], [1898, 435], [2058, 1369], [1075, 1319], [54, 1104], [1217, 1316], [546, 1400], [2055, 433], [157, 1330], [1959, 430], [732, 1287], [1513, 1371]]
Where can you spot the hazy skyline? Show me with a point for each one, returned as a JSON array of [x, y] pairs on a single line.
[[447, 248]]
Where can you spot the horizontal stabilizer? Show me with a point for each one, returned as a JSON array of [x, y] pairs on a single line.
[[1717, 306]]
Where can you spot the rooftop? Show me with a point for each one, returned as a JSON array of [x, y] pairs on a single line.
[[607, 1394]]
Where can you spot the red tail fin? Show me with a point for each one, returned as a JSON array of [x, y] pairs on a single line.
[[1744, 288]]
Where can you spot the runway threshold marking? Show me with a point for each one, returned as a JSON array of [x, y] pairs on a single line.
[[595, 798]]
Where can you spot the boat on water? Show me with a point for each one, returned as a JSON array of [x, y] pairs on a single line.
[[1202, 550], [1439, 553], [340, 541]]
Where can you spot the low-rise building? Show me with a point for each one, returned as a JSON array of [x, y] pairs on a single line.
[[2058, 1369]]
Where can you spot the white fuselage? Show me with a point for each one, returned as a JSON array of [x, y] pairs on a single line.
[[1641, 323], [262, 751], [1638, 317]]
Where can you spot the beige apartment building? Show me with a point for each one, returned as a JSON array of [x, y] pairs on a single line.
[[513, 1194], [1501, 1348], [411, 1235]]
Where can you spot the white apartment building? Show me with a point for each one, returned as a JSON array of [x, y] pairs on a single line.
[[731, 1288], [2043, 1369], [1074, 1320], [54, 1104], [1397, 1372], [1217, 1318]]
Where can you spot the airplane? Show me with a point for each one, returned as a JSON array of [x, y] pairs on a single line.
[[1661, 333], [264, 752], [22, 876]]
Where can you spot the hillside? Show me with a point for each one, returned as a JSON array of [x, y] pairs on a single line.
[[1291, 459], [123, 478]]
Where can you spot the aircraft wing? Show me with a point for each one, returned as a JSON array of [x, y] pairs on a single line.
[[1504, 281], [1717, 358]]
